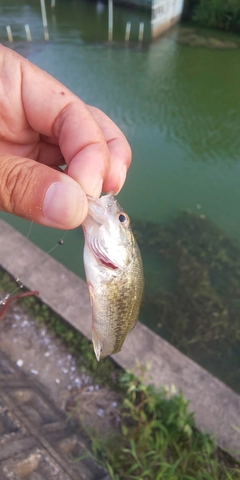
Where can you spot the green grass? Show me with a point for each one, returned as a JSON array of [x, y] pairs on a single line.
[[157, 439]]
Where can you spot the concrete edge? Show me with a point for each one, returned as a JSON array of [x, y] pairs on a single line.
[[159, 28], [216, 406]]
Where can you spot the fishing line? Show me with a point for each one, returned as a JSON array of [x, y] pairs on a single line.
[[27, 272], [33, 267]]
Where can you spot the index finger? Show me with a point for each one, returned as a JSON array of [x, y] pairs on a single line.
[[119, 149], [54, 111]]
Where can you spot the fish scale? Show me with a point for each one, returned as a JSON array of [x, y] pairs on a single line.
[[114, 274]]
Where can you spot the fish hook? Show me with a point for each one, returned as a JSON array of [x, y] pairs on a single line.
[[4, 305]]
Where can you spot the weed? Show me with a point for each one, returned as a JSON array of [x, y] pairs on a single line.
[[159, 440], [199, 312]]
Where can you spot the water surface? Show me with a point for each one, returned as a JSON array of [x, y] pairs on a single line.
[[179, 107]]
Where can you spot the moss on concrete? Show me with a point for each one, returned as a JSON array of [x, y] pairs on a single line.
[[200, 313]]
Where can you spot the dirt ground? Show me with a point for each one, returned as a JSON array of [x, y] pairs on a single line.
[[39, 354]]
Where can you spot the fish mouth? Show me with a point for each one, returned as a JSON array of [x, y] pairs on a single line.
[[107, 264], [97, 208]]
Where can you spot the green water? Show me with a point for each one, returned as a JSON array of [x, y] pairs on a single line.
[[178, 106]]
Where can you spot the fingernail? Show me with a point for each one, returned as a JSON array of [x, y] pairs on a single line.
[[63, 204], [122, 177]]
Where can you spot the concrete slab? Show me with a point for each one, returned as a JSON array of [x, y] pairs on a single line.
[[216, 406]]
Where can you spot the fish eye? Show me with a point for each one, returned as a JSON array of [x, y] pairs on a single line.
[[124, 219]]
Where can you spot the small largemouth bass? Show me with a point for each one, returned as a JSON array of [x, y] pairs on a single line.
[[114, 274]]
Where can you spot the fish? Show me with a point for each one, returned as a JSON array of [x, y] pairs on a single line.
[[114, 274]]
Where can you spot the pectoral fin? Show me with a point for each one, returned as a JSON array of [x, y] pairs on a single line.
[[97, 344]]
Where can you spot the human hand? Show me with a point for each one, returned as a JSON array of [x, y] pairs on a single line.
[[43, 126]]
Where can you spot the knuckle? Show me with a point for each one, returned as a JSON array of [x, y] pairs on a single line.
[[16, 185]]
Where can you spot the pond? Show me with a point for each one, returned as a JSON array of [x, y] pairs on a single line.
[[178, 102]]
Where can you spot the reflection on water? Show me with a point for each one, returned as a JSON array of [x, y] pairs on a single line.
[[179, 107]]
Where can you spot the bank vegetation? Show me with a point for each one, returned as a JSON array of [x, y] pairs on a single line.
[[155, 436], [220, 14]]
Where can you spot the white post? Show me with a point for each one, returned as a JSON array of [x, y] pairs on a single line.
[[141, 30], [53, 3], [9, 33], [171, 12], [110, 20], [128, 31], [28, 33], [44, 20]]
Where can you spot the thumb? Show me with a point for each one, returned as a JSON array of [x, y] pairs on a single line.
[[40, 193]]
